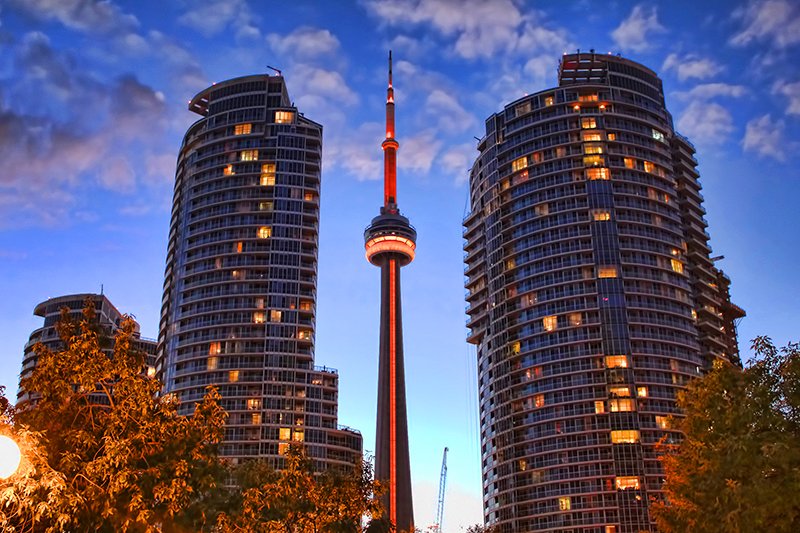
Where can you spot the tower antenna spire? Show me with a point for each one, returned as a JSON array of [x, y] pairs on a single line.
[[390, 146]]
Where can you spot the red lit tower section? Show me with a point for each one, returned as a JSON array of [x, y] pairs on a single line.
[[390, 242]]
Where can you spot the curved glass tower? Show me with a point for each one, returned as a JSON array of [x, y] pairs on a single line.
[[592, 298], [239, 306]]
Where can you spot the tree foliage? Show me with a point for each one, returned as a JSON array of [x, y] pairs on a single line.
[[296, 500], [738, 467], [103, 451]]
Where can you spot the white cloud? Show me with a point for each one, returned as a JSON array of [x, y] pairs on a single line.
[[210, 17], [83, 15], [457, 160], [790, 91], [706, 123], [633, 32], [420, 149], [304, 42], [707, 91], [691, 66], [765, 138], [777, 21], [449, 115], [357, 151]]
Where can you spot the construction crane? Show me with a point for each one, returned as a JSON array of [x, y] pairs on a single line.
[[440, 505]]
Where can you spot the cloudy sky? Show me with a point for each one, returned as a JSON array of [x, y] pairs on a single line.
[[93, 107]]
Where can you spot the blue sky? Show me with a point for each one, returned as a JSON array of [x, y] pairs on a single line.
[[93, 107]]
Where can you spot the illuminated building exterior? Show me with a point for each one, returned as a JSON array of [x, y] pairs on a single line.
[[390, 242], [240, 285], [108, 318], [592, 298]]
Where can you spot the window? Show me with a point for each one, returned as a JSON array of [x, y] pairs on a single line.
[[627, 482], [629, 162], [253, 403], [575, 319], [266, 206], [515, 347], [648, 166], [607, 272], [238, 246], [657, 135], [275, 316], [550, 323], [597, 174], [591, 136], [625, 436], [619, 406], [308, 197], [242, 129], [600, 215], [519, 164], [677, 266], [542, 209], [236, 274], [662, 422], [611, 136], [228, 170], [548, 101], [151, 371], [255, 418], [590, 148], [587, 98], [233, 376], [258, 317], [538, 400], [248, 155], [593, 160], [268, 174], [298, 436], [523, 108], [510, 263], [616, 361], [305, 305], [264, 232], [561, 151], [259, 303], [599, 407], [619, 392], [285, 434], [212, 363], [641, 392], [304, 334], [588, 123], [284, 117], [214, 348], [564, 503], [611, 529], [536, 157]]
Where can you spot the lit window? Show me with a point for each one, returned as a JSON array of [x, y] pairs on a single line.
[[561, 151], [619, 392], [268, 174], [308, 197], [266, 206], [538, 400], [238, 247], [236, 274], [528, 300], [677, 266], [523, 108], [611, 529], [228, 170], [218, 263], [283, 447], [519, 164], [258, 317], [264, 232], [576, 108], [151, 371], [550, 323], [548, 100], [285, 434], [625, 436], [248, 155], [611, 136], [515, 347], [618, 406], [607, 272], [304, 334], [616, 361], [629, 162], [591, 136], [242, 129], [648, 166], [284, 117], [657, 135], [588, 123], [275, 316], [627, 482], [641, 392], [662, 422], [253, 403], [587, 98], [597, 174], [214, 348], [523, 465], [599, 407], [537, 371], [575, 319], [694, 314], [233, 376], [600, 215], [541, 209], [305, 305], [590, 148], [536, 157], [255, 418], [564, 503], [510, 263], [593, 160]]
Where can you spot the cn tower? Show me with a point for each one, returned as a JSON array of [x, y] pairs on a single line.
[[390, 242]]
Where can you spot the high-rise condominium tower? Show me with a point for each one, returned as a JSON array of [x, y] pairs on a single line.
[[240, 286], [390, 242], [592, 298]]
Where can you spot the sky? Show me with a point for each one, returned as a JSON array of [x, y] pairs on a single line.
[[93, 108]]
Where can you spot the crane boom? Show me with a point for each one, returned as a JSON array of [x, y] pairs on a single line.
[[442, 483]]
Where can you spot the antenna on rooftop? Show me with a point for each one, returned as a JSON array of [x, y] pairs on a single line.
[[277, 71]]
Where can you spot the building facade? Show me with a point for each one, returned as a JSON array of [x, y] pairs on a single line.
[[108, 318], [592, 298], [239, 304]]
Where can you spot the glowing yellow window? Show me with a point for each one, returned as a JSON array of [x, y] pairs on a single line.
[[275, 316], [587, 98], [694, 314], [648, 166], [212, 363], [611, 136], [538, 400], [597, 174], [510, 263], [677, 266], [285, 434], [607, 272], [550, 323], [619, 392], [266, 206], [305, 305], [233, 376], [214, 348], [592, 160], [308, 197], [284, 117], [588, 123], [248, 155], [611, 529], [151, 371], [242, 129], [264, 232], [548, 100], [616, 361], [258, 317], [590, 148], [600, 215], [617, 406], [662, 422], [304, 334], [253, 403], [515, 347], [298, 436], [599, 407], [564, 503], [236, 274], [255, 418], [283, 447], [630, 162], [519, 163], [627, 482], [641, 392], [591, 136], [625, 436], [228, 170], [238, 246]]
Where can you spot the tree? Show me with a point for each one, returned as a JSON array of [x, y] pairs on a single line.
[[296, 500], [738, 466], [103, 450]]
